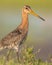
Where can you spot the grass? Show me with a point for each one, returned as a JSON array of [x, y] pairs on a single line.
[[27, 57]]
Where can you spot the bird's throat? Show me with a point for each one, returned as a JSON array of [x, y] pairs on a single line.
[[24, 23]]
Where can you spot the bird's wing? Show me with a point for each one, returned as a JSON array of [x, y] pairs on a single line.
[[15, 37]]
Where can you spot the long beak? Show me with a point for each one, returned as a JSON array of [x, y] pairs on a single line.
[[33, 13]]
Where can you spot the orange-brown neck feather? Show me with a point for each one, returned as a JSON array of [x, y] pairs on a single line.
[[24, 23]]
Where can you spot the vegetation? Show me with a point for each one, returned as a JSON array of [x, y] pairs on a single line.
[[27, 57]]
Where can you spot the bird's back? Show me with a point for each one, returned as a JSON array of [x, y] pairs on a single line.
[[14, 38]]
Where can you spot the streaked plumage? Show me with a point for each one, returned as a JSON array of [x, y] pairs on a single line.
[[15, 38]]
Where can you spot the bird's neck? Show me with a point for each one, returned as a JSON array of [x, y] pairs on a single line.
[[24, 23]]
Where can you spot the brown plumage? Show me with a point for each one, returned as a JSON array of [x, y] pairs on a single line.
[[16, 37]]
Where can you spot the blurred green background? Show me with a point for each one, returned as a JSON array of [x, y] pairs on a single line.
[[40, 32]]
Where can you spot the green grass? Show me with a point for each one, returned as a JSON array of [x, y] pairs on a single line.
[[27, 57]]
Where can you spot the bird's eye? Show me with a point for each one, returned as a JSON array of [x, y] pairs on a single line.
[[26, 8]]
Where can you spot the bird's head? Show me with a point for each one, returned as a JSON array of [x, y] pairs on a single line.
[[27, 9]]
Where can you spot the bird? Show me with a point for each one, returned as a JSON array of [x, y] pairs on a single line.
[[14, 39]]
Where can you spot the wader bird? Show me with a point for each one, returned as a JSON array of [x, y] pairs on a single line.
[[15, 38]]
